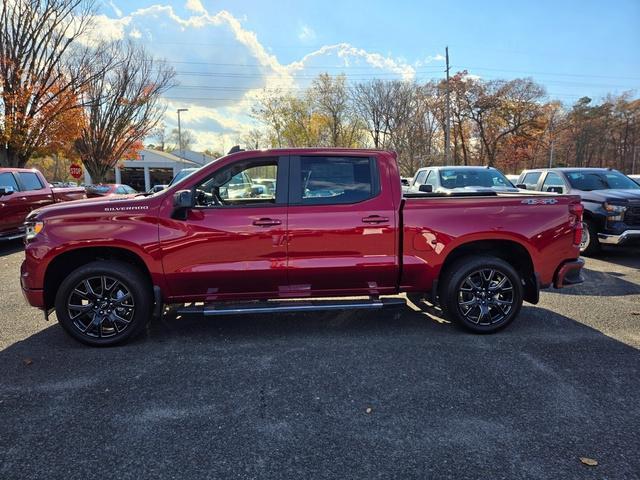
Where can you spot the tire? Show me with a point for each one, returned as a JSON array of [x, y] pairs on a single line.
[[478, 300], [590, 244], [104, 303]]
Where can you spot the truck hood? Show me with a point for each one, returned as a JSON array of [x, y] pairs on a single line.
[[124, 203], [615, 196]]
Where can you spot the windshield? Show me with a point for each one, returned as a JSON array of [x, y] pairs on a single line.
[[185, 172], [597, 180], [480, 177]]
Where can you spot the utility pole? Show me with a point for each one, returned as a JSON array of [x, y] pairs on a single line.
[[552, 143], [633, 165], [180, 133], [447, 127]]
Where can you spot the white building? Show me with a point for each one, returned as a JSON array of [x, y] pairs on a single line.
[[153, 167], [196, 157]]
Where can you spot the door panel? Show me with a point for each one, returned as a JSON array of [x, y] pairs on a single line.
[[12, 211], [339, 248], [33, 194], [221, 252], [234, 244]]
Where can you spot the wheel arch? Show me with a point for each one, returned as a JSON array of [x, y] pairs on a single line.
[[65, 263], [510, 251]]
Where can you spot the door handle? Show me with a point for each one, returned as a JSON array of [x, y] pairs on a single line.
[[375, 219], [266, 222]]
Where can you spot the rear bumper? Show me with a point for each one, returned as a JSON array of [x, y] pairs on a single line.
[[624, 237], [569, 273]]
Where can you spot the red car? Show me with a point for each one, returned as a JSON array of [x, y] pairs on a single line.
[[23, 190], [337, 225], [108, 189]]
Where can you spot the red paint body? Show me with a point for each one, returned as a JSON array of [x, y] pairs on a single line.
[[315, 250], [15, 207]]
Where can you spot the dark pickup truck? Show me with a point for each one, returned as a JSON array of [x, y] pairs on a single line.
[[611, 201], [23, 190], [335, 225]]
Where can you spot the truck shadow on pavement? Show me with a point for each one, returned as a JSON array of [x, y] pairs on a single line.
[[394, 393], [602, 284], [623, 256]]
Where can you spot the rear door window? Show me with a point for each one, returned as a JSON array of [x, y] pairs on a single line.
[[336, 180], [30, 180]]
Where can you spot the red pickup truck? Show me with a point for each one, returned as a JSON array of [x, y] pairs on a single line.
[[335, 225], [23, 190]]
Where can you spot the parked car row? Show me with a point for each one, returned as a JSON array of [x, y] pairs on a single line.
[[23, 190], [610, 198], [611, 201]]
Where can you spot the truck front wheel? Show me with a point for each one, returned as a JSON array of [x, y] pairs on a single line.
[[589, 244], [104, 303], [482, 294]]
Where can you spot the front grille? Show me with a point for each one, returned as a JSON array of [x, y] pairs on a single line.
[[632, 216]]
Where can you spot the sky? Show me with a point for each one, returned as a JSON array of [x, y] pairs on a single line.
[[226, 53]]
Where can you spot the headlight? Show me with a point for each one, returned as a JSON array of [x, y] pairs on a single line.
[[33, 229], [614, 212]]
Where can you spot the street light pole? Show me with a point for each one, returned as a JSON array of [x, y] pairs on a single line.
[[180, 133]]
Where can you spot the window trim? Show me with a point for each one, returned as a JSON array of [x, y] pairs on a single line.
[[295, 186], [282, 178]]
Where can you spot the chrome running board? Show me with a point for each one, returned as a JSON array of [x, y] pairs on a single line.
[[282, 306]]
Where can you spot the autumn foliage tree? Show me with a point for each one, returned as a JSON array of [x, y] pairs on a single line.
[[121, 107], [43, 68]]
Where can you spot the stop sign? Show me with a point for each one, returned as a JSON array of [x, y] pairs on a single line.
[[75, 170]]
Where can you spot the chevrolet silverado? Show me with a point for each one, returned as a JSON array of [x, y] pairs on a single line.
[[336, 224]]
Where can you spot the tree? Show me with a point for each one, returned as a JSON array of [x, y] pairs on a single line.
[[122, 107], [43, 69], [501, 108], [183, 141]]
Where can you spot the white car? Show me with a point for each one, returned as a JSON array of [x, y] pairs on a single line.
[[461, 179]]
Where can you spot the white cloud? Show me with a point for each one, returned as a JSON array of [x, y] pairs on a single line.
[[195, 6], [306, 33], [438, 57], [347, 52], [222, 66], [135, 33]]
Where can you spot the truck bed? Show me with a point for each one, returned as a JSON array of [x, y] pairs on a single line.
[[435, 224]]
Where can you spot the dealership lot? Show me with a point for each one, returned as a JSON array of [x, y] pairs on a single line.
[[398, 393]]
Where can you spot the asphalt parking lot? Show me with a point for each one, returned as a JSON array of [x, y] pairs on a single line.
[[397, 394]]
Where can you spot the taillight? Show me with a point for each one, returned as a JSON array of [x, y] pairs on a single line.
[[575, 219]]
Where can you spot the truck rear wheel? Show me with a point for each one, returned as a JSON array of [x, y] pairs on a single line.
[[482, 294], [104, 303]]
